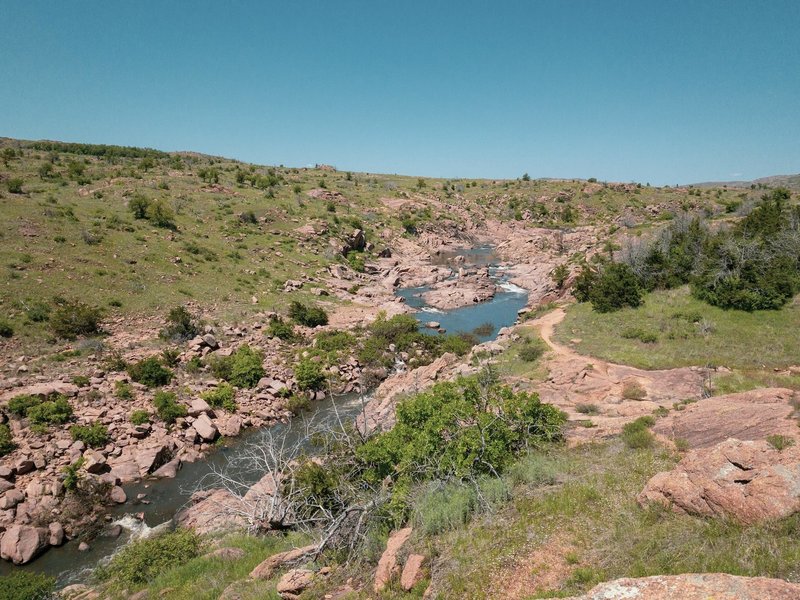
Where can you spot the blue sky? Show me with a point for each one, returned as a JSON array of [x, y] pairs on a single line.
[[663, 92]]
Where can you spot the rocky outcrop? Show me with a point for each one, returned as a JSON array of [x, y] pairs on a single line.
[[388, 565], [22, 543], [746, 481], [703, 586], [293, 583], [268, 568], [466, 289], [752, 415], [379, 410], [213, 511], [413, 571]]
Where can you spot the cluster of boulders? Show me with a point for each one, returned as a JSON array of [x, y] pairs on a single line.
[[32, 494]]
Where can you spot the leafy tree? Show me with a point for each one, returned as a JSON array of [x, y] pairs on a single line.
[[138, 205], [615, 288]]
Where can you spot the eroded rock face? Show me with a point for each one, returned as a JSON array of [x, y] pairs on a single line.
[[748, 481], [694, 587], [267, 568], [22, 543], [292, 584], [215, 510], [752, 415]]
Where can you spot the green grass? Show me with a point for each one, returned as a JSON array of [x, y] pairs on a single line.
[[734, 339], [594, 511], [513, 363], [205, 578]]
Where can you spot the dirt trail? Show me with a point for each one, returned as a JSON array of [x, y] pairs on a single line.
[[605, 392]]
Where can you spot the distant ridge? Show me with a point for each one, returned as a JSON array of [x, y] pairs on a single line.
[[788, 181]]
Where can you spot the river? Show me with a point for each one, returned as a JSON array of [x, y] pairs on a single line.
[[163, 498]]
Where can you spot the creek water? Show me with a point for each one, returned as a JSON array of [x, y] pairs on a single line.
[[163, 498], [501, 311]]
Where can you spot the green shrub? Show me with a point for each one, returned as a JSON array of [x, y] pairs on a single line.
[[7, 444], [531, 351], [281, 329], [297, 404], [535, 469], [310, 316], [160, 214], [637, 333], [443, 507], [616, 287], [140, 417], [150, 372], [6, 330], [779, 442], [453, 422], [334, 341], [246, 367], [38, 312], [123, 390], [221, 397], [140, 562], [14, 185], [72, 474], [587, 409], [27, 585], [180, 325], [19, 405], [72, 318], [309, 375], [193, 365], [167, 407], [80, 380], [55, 411], [457, 344], [637, 434], [94, 435], [633, 390]]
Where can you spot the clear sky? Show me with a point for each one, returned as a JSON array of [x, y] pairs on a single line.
[[630, 90]]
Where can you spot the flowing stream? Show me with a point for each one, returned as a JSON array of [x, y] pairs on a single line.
[[163, 498]]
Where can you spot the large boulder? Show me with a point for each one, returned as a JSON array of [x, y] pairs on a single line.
[[744, 416], [747, 481], [151, 457], [292, 584], [212, 511], [205, 428], [22, 543], [705, 586], [267, 568]]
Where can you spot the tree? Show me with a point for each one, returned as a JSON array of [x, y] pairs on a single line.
[[615, 288], [526, 177]]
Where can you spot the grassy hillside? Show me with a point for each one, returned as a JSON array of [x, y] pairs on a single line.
[[222, 232]]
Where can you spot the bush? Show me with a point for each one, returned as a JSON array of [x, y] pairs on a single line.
[[246, 367], [27, 585], [72, 474], [297, 404], [51, 412], [150, 372], [72, 319], [138, 205], [530, 351], [221, 397], [779, 442], [309, 375], [444, 507], [6, 330], [140, 417], [167, 407], [7, 444], [140, 562], [281, 329], [615, 288], [180, 325], [81, 380], [123, 390], [94, 435], [637, 434], [14, 185], [587, 409], [160, 214], [38, 312], [19, 405], [633, 390], [637, 333], [535, 469], [334, 341], [457, 344], [310, 316], [452, 422]]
